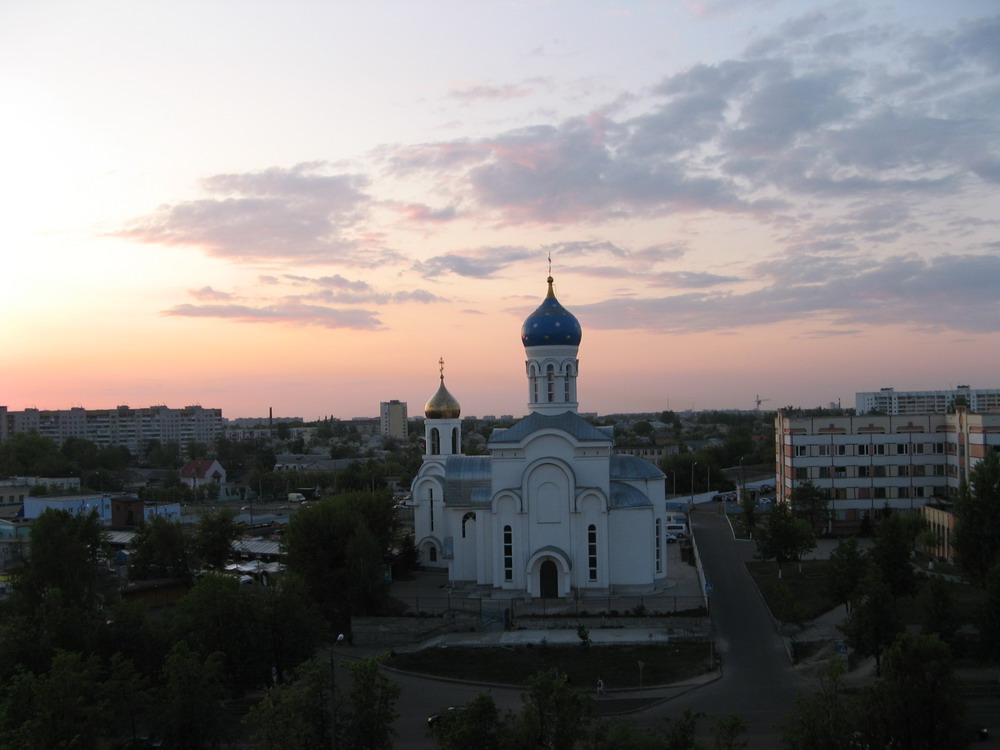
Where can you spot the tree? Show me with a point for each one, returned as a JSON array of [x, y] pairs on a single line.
[[160, 549], [784, 538], [845, 570], [916, 705], [988, 615], [874, 621], [811, 503], [189, 715], [554, 715], [63, 552], [128, 697], [478, 725], [939, 615], [821, 721], [749, 514], [364, 720], [57, 709], [977, 519], [895, 541], [214, 537], [294, 714], [219, 615]]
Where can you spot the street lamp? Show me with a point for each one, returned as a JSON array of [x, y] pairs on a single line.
[[692, 483], [333, 696]]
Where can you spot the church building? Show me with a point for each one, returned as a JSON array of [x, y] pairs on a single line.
[[551, 511]]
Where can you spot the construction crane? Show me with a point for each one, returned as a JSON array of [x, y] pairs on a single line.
[[760, 401]]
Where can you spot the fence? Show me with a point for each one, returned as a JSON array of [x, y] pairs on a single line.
[[653, 604]]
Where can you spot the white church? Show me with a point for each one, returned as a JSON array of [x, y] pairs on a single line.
[[551, 511]]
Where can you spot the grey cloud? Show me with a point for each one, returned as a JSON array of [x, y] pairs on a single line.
[[290, 313], [954, 292], [208, 294], [690, 279], [483, 263], [277, 214]]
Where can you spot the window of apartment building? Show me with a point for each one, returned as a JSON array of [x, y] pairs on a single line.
[[903, 471], [878, 449], [801, 450], [802, 473], [824, 472], [841, 493], [951, 448], [879, 471], [864, 493], [880, 493], [840, 472], [864, 471], [903, 492], [939, 470], [823, 450], [918, 447], [902, 449], [864, 449], [939, 447], [918, 470]]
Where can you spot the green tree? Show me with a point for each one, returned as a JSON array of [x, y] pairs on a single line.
[[30, 454], [57, 709], [940, 618], [811, 503], [916, 705], [63, 553], [749, 508], [784, 538], [895, 541], [823, 720], [988, 614], [874, 621], [291, 625], [214, 537], [128, 697], [160, 549], [218, 615], [728, 733], [189, 716], [554, 715], [846, 568], [478, 725], [295, 714], [364, 720], [976, 538]]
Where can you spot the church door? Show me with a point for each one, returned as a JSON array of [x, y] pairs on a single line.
[[548, 580]]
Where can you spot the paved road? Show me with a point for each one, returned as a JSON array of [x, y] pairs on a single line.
[[758, 682]]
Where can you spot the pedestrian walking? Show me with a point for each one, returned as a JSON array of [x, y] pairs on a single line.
[[600, 687]]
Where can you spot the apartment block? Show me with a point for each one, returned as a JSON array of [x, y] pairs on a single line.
[[392, 419], [131, 428], [894, 403], [872, 462]]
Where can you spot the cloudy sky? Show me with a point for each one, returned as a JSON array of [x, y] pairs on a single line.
[[303, 205]]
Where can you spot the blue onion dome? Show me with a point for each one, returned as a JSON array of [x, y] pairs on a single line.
[[442, 405], [551, 324]]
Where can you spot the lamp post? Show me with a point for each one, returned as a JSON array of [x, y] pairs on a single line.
[[333, 696], [692, 484]]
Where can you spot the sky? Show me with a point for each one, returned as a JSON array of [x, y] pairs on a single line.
[[302, 206]]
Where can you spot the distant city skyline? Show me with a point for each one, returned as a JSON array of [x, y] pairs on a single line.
[[304, 206]]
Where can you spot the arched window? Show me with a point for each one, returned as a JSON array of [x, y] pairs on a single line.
[[592, 552], [508, 554], [455, 446], [434, 554], [467, 517], [435, 442], [659, 546], [430, 501], [550, 383]]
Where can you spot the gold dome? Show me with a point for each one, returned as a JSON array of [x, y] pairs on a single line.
[[442, 405]]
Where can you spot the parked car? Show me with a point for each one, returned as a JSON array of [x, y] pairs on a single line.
[[671, 538], [766, 488], [432, 721]]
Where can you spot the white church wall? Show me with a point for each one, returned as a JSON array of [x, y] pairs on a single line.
[[632, 562]]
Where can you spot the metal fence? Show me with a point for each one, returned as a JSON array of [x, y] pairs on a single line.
[[591, 606]]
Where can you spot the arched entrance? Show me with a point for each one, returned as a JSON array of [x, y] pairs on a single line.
[[548, 580]]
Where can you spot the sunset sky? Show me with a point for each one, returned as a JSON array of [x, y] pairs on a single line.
[[303, 205]]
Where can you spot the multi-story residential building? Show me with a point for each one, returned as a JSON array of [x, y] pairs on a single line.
[[872, 462], [131, 428], [892, 402], [392, 419]]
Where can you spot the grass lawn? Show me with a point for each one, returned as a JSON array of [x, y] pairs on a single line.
[[805, 592], [796, 596], [616, 665]]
